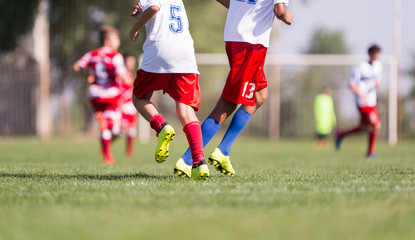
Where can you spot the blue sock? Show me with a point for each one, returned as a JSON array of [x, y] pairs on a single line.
[[209, 128], [239, 121]]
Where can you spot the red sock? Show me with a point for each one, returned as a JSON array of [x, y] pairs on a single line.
[[193, 133], [130, 146], [106, 148], [351, 131], [156, 122], [372, 141]]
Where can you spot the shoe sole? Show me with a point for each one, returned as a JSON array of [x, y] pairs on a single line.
[[163, 148], [203, 176], [181, 173], [219, 167]]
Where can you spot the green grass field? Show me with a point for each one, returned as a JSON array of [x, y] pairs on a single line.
[[282, 190]]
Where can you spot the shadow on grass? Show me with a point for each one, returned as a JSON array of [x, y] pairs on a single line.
[[105, 177]]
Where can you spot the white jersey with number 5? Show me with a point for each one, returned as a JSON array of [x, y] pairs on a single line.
[[169, 45], [250, 21], [365, 77]]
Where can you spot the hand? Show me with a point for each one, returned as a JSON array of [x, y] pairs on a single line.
[[134, 35], [136, 10], [90, 79], [288, 18]]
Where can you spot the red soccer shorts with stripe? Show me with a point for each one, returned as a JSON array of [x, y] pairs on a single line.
[[246, 75], [182, 87], [369, 115], [104, 98]]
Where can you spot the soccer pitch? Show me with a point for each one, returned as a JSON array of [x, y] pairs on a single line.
[[282, 190]]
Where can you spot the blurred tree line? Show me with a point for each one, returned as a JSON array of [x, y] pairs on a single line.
[[74, 29]]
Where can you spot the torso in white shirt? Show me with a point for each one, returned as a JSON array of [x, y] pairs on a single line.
[[250, 21], [365, 77], [169, 46]]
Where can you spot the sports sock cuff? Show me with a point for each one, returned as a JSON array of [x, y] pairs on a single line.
[[210, 119], [191, 124], [106, 134], [193, 133], [244, 112], [157, 122]]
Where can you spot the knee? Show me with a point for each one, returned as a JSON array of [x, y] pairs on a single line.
[[185, 113], [377, 127], [261, 97], [373, 128]]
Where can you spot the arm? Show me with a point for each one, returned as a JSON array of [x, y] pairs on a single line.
[[143, 18], [356, 91], [282, 14], [225, 3], [81, 71]]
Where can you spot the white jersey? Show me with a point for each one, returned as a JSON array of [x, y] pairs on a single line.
[[169, 45], [365, 77], [250, 21]]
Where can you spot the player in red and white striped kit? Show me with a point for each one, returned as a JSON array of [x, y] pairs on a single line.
[[364, 82], [107, 65], [129, 118]]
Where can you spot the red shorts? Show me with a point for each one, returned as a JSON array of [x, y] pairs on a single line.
[[182, 87], [369, 115], [247, 75], [104, 98], [100, 105]]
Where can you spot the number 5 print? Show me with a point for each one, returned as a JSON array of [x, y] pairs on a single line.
[[177, 19]]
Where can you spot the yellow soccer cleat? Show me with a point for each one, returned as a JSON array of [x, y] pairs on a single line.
[[221, 162], [165, 136], [200, 172], [182, 169]]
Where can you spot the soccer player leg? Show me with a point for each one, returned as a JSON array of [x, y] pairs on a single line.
[[209, 128], [164, 130], [129, 125], [130, 128], [374, 128], [113, 119], [184, 89], [193, 131], [131, 136], [106, 138], [212, 124]]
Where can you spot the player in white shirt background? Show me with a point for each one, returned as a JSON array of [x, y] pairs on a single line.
[[247, 32], [169, 64], [364, 82]]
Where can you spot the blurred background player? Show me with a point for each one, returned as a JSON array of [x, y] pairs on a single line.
[[324, 116], [364, 82], [129, 118], [169, 64], [107, 65], [247, 32]]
